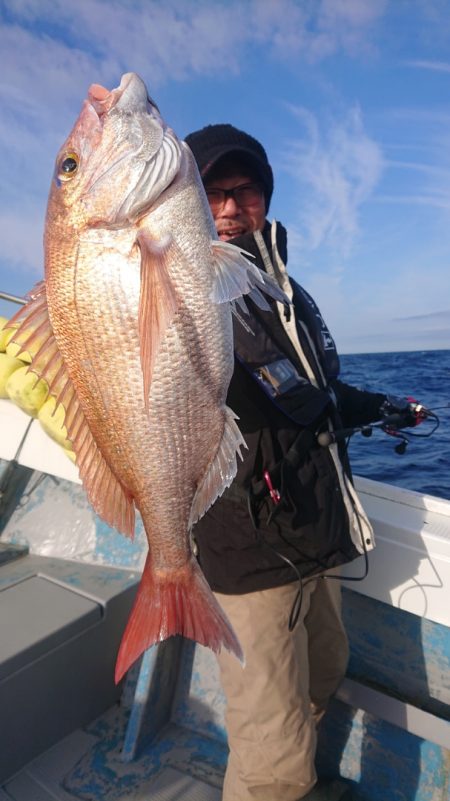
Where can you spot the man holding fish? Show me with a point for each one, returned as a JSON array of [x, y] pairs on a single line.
[[270, 546], [134, 253]]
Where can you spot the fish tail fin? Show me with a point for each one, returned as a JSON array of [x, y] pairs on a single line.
[[176, 603]]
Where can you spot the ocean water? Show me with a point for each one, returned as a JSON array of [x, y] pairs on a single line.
[[425, 376]]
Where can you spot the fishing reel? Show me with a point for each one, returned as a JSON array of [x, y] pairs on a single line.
[[400, 413], [408, 413]]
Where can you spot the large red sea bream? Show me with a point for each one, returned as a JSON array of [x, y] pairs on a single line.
[[132, 329]]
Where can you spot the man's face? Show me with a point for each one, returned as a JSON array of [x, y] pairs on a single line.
[[237, 215]]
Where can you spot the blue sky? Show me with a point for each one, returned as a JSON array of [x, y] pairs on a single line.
[[349, 97]]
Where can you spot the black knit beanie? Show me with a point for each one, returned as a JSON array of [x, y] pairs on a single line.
[[213, 142]]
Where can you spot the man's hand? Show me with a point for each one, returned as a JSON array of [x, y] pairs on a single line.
[[402, 412]]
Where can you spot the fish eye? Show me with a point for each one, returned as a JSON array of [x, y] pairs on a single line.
[[68, 166]]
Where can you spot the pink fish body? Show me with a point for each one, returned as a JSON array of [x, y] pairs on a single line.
[[133, 331]]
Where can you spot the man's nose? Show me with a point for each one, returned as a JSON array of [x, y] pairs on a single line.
[[230, 207]]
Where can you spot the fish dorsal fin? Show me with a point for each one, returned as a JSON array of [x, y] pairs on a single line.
[[157, 302], [109, 498], [222, 469], [235, 276]]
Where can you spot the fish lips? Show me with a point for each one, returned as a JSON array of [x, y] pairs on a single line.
[[129, 97]]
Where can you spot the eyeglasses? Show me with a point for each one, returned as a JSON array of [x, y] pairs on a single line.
[[243, 195]]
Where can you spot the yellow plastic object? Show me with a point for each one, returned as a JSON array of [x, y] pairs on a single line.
[[70, 453], [26, 390], [5, 334], [53, 422], [13, 350], [8, 365]]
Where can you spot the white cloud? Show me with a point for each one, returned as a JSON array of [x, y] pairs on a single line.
[[430, 170], [436, 66], [432, 317], [336, 168], [170, 41], [349, 24], [428, 200], [421, 177], [181, 38], [316, 30], [385, 309], [52, 51]]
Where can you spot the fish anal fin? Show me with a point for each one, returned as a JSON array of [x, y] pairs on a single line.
[[157, 302], [221, 471], [108, 497], [174, 603]]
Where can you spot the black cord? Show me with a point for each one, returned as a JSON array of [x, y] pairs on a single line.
[[437, 423], [296, 606], [297, 603]]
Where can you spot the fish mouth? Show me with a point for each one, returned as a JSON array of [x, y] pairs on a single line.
[[147, 152], [130, 96]]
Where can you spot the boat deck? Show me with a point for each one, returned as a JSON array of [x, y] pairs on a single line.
[[53, 775]]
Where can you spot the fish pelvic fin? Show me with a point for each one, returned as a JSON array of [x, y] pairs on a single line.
[[157, 302], [236, 276], [222, 469], [34, 334], [178, 602]]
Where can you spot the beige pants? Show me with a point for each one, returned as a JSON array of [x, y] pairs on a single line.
[[275, 702]]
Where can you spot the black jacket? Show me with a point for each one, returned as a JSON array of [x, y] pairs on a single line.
[[244, 540]]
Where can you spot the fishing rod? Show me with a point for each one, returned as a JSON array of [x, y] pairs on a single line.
[[412, 415], [390, 424], [12, 298]]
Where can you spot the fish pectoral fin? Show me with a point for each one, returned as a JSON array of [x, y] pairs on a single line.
[[222, 469], [158, 302], [235, 276], [34, 334]]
